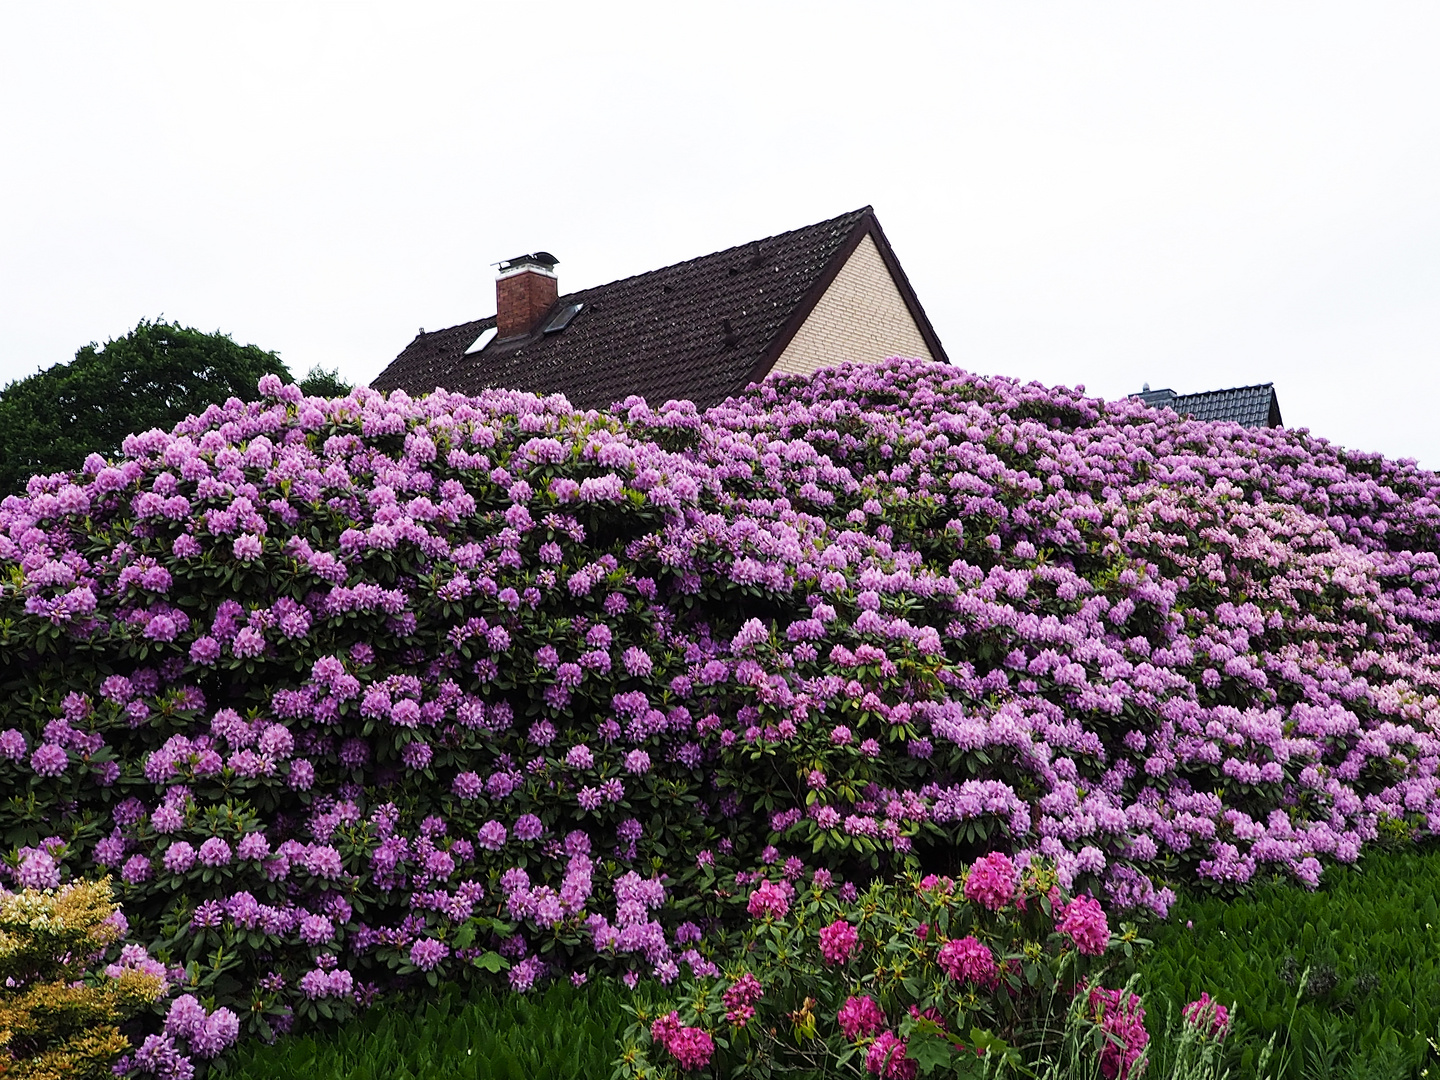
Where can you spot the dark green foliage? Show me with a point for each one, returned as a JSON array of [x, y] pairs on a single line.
[[319, 382], [153, 377], [557, 1035], [1355, 963]]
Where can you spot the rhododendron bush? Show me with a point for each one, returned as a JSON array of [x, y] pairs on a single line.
[[344, 692]]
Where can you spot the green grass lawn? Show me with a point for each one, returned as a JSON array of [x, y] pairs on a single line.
[[555, 1035], [1369, 940]]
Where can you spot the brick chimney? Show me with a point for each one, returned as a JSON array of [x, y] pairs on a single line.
[[525, 290]]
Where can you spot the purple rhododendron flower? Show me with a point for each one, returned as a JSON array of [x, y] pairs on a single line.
[[12, 745], [215, 852], [246, 547], [38, 870], [492, 836], [427, 953], [467, 785], [179, 857], [49, 760]]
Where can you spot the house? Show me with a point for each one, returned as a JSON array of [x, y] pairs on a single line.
[[1248, 406], [703, 329]]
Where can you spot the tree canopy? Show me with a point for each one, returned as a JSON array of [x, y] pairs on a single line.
[[153, 377], [320, 382]]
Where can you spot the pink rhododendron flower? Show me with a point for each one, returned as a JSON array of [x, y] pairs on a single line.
[[992, 880], [1122, 1018], [838, 942], [1084, 922], [969, 960], [1207, 1014], [691, 1047], [860, 1017], [769, 899], [740, 997], [886, 1057]]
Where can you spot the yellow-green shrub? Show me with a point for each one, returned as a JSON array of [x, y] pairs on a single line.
[[58, 1016]]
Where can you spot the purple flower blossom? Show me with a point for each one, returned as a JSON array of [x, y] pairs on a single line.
[[49, 760], [179, 857], [38, 870], [316, 930], [246, 547], [492, 836], [253, 846], [427, 953], [467, 785], [12, 745], [215, 852]]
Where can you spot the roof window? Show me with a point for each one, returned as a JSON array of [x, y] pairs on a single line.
[[561, 318]]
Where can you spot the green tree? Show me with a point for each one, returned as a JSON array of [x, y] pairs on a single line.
[[154, 376], [322, 383]]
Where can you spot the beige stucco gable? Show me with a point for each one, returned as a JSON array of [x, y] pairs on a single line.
[[861, 317]]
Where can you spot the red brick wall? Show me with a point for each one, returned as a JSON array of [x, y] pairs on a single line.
[[521, 301]]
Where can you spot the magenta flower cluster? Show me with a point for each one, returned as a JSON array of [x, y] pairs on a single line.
[[1208, 1016], [991, 881], [970, 960], [337, 672], [860, 1017], [838, 942], [1122, 1018], [739, 999], [1083, 921], [691, 1047]]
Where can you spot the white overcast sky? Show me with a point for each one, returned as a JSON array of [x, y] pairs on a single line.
[[1195, 196]]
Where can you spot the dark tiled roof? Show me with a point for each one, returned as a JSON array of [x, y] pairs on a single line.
[[1249, 406], [702, 329], [427, 361]]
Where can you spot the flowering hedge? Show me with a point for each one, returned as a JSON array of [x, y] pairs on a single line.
[[379, 688]]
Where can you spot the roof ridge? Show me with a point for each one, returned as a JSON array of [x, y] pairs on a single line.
[[858, 215], [1227, 389]]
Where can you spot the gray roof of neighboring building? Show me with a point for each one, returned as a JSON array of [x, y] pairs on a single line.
[[1248, 406], [700, 330]]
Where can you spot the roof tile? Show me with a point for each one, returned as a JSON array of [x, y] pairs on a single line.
[[1248, 406]]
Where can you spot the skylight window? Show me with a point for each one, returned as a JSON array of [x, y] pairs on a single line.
[[562, 318], [484, 339]]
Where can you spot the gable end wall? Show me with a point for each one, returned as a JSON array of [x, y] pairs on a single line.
[[861, 317]]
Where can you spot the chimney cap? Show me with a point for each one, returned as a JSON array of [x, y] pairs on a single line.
[[543, 259]]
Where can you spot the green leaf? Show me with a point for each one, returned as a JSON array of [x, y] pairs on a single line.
[[928, 1049], [492, 962]]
